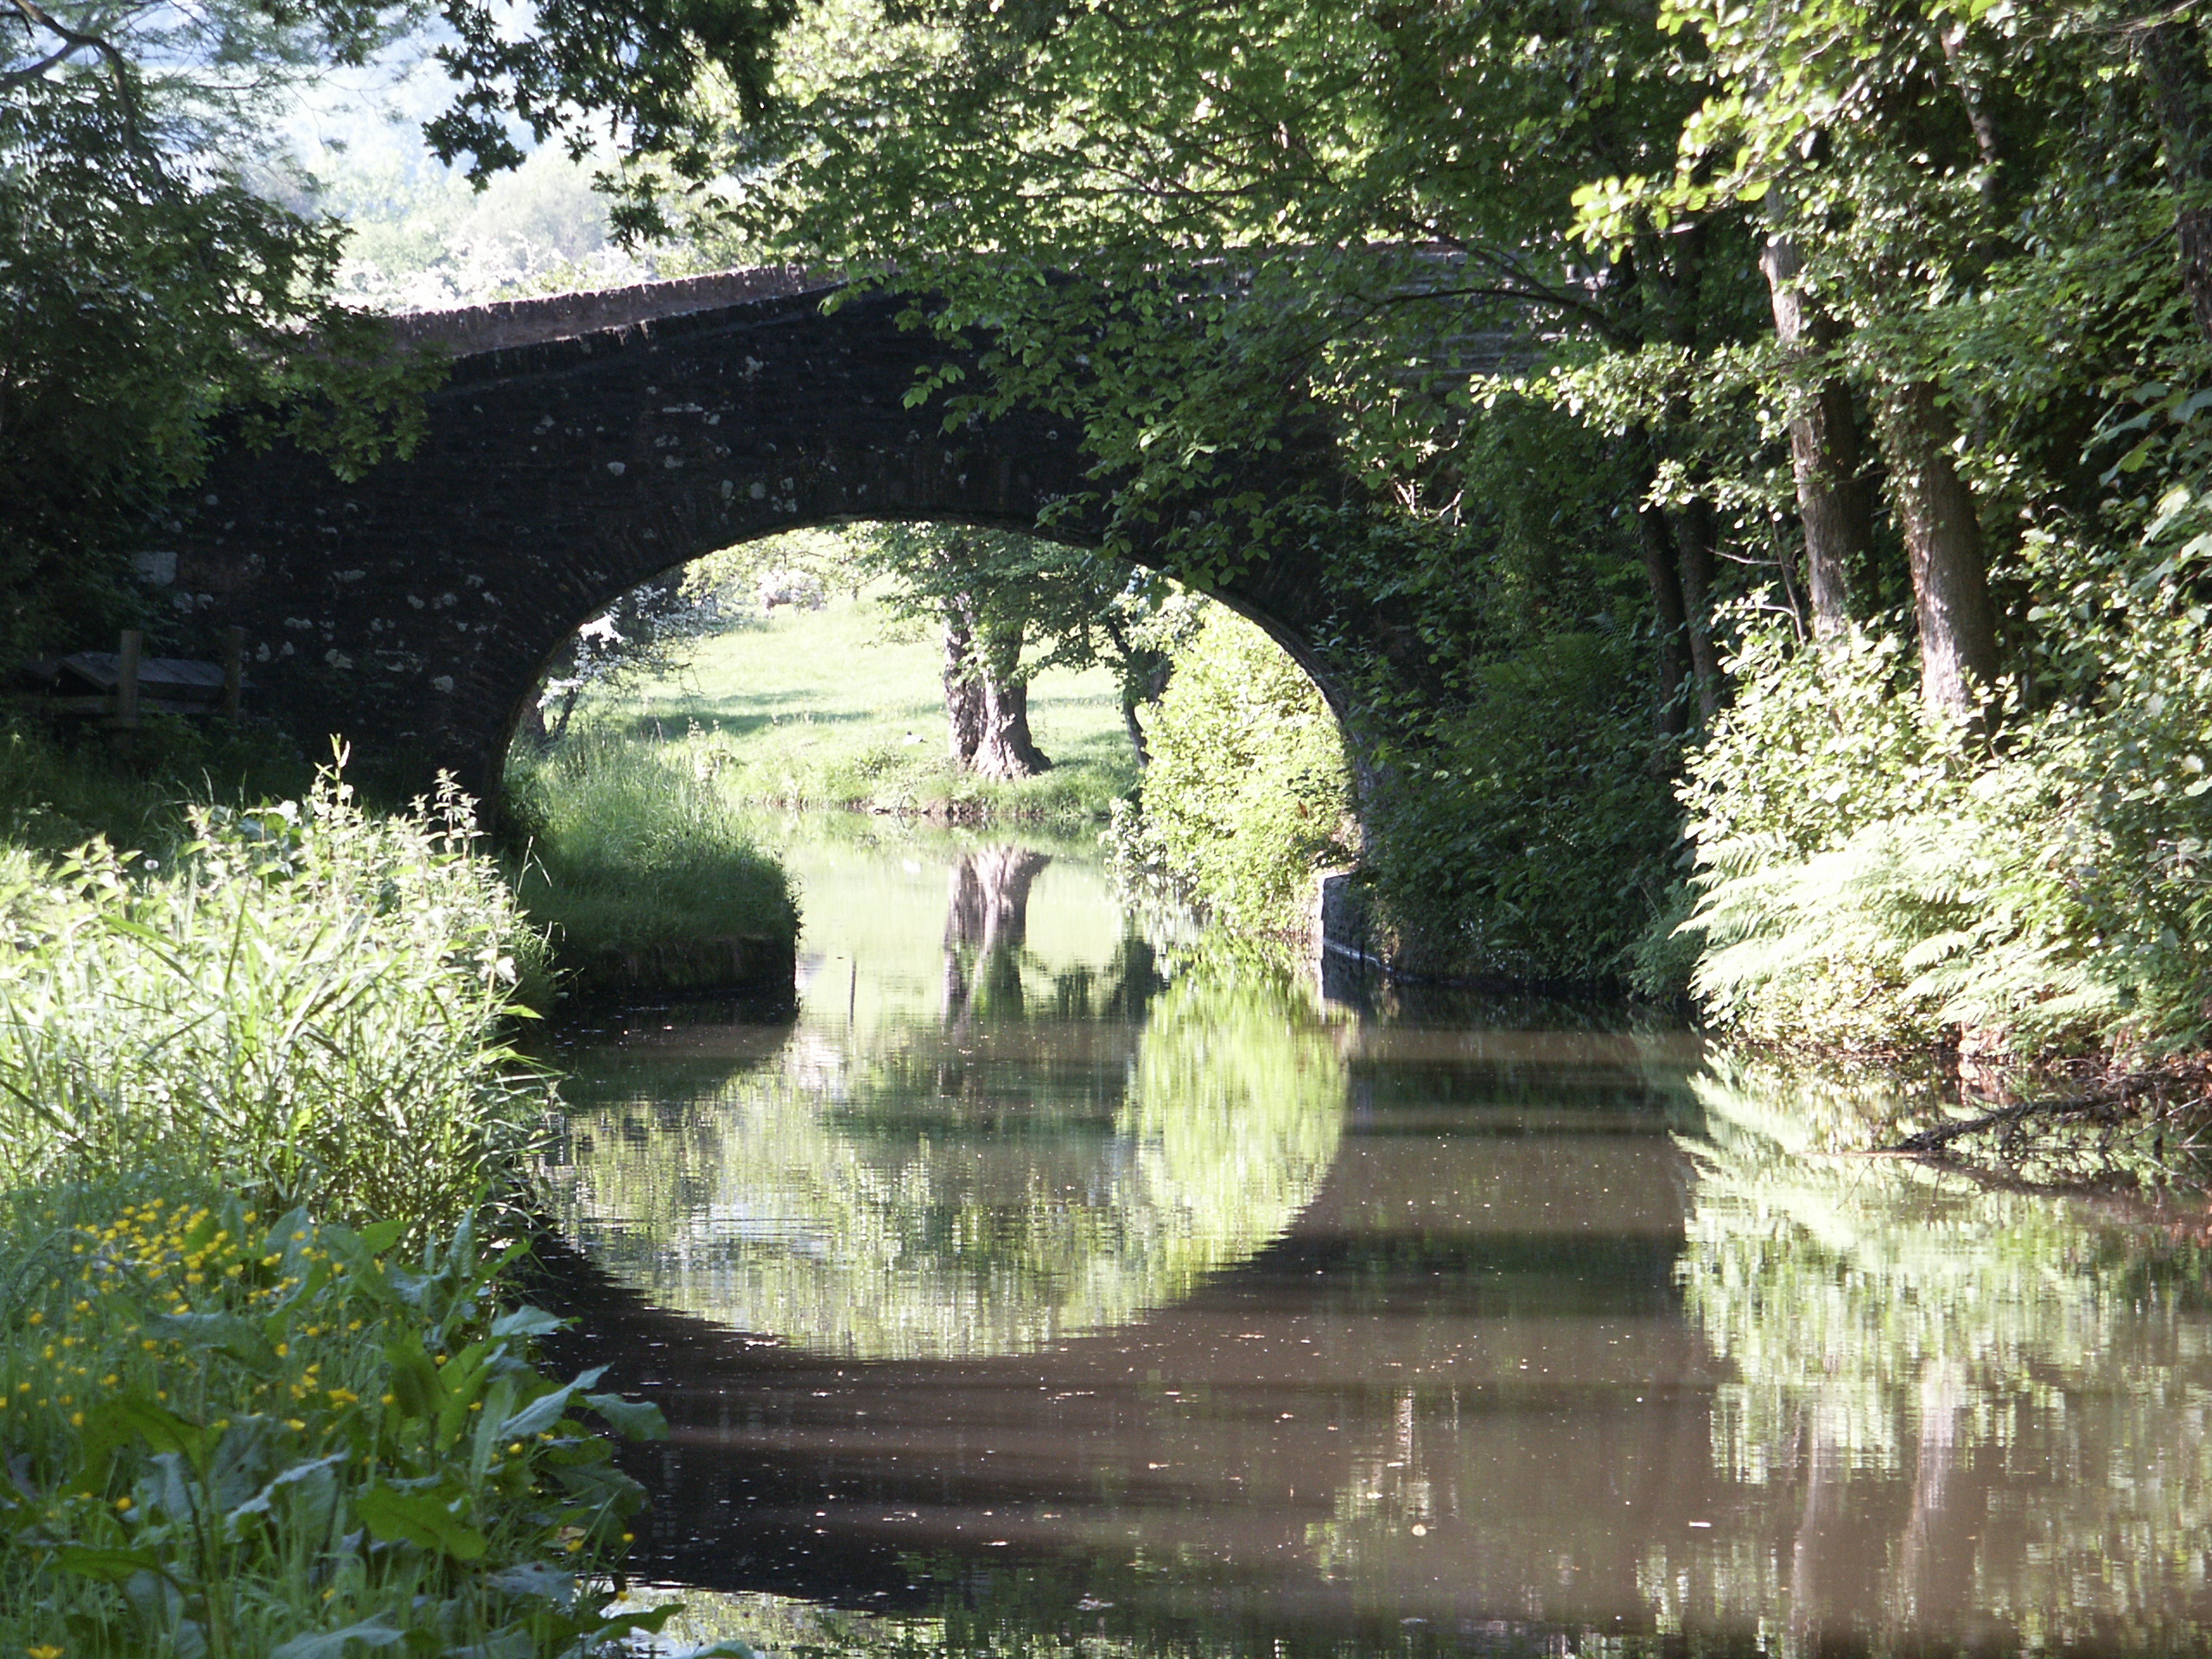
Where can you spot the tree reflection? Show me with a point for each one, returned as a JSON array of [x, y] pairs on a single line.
[[2015, 1386], [1041, 1159], [986, 924]]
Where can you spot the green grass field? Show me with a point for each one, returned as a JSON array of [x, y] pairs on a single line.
[[842, 707]]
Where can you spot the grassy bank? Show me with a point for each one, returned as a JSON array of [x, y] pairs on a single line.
[[629, 854], [56, 793], [837, 708], [261, 1395]]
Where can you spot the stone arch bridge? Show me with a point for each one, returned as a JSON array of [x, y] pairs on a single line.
[[583, 444]]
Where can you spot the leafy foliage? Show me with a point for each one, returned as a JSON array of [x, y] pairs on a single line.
[[1537, 843], [1871, 875], [1247, 794], [238, 1435], [152, 287], [626, 842], [307, 1002]]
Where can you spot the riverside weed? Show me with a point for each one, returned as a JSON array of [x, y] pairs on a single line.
[[231, 1436], [307, 1002]]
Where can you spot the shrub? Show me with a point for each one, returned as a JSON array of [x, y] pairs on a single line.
[[306, 1004], [57, 793], [1247, 794], [1873, 876], [1527, 833]]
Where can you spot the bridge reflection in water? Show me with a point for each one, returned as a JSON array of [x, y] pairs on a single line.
[[1027, 1297]]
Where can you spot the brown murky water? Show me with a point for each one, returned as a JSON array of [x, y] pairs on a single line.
[[1042, 1287]]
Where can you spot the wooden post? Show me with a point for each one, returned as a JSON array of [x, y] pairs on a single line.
[[126, 677], [233, 672]]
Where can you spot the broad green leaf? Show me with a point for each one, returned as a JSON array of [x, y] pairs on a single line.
[[340, 1644], [109, 1565], [636, 1420], [421, 1518]]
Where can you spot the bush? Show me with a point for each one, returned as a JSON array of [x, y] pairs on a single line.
[[306, 1005], [1528, 834], [1247, 795], [58, 793], [265, 1438]]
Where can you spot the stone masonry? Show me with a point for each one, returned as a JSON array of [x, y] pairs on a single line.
[[583, 444]]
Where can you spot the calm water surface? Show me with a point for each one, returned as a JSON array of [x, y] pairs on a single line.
[[1049, 1284]]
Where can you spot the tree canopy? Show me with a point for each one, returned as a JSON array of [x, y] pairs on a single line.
[[149, 283], [1840, 318]]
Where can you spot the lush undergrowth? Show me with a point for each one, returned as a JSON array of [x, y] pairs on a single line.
[[258, 1393], [1530, 835], [843, 707], [233, 1434], [1875, 876], [58, 794], [305, 1002], [624, 842], [1247, 795]]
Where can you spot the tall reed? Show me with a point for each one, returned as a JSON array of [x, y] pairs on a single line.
[[306, 1004]]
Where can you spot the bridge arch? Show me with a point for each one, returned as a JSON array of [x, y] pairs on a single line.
[[585, 444]]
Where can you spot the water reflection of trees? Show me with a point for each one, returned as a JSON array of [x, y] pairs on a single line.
[[2027, 1377], [986, 925], [1043, 1159]]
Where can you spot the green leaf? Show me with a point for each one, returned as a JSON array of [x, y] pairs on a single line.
[[538, 1415], [527, 1322], [243, 1339], [635, 1419], [160, 1428], [415, 1388], [536, 1580], [421, 1518], [109, 1566], [380, 1236], [334, 1644]]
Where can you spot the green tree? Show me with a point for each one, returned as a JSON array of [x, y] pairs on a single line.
[[1247, 794], [150, 292], [1008, 607], [1290, 265], [1956, 198], [1268, 213]]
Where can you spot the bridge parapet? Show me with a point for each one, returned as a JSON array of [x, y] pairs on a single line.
[[471, 330]]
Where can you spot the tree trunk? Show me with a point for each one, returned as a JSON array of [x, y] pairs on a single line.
[[531, 727], [1142, 673], [1697, 534], [1660, 568], [1824, 457], [1144, 680], [2174, 60], [1943, 537], [1134, 726], [1005, 749], [568, 695], [963, 687]]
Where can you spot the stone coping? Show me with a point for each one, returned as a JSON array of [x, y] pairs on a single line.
[[473, 330]]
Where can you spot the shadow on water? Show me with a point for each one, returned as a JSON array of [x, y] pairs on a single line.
[[1047, 1287]]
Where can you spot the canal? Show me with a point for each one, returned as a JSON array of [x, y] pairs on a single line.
[[1057, 1279]]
